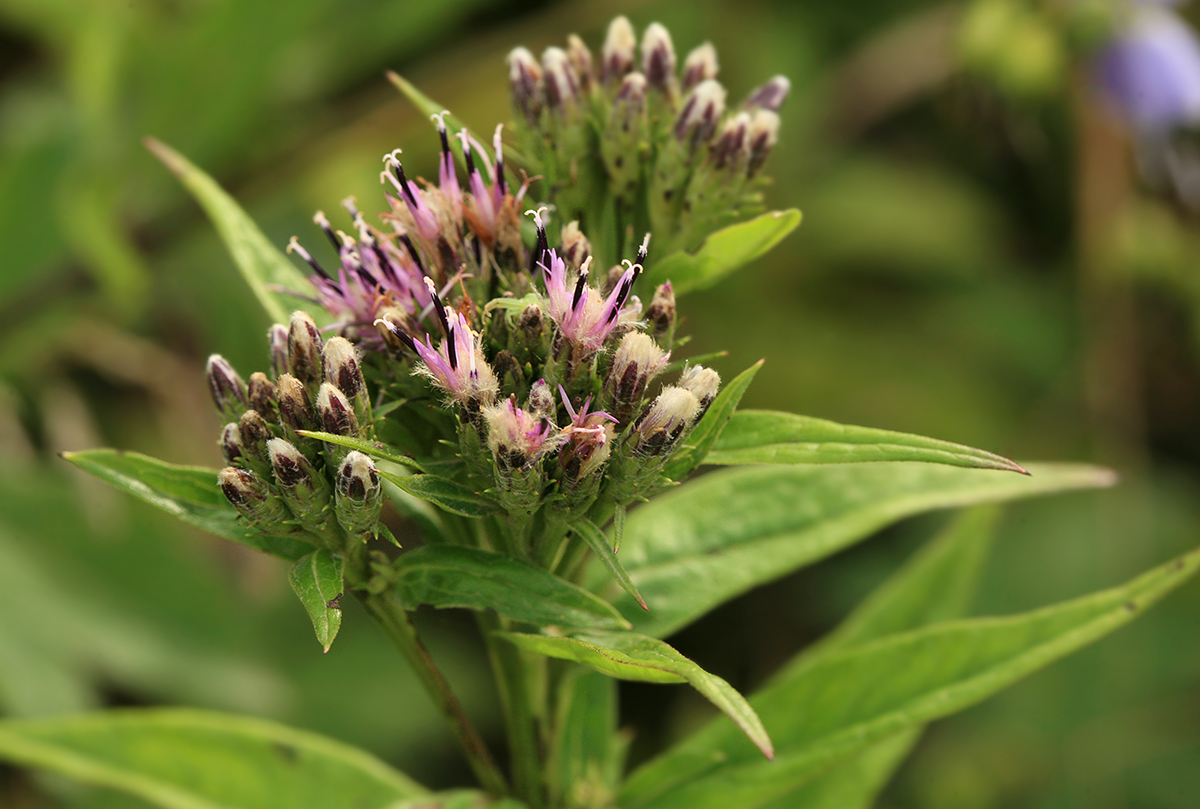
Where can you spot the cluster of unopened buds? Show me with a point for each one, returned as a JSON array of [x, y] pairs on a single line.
[[656, 144], [523, 374]]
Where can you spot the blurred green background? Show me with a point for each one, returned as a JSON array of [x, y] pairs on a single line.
[[978, 262]]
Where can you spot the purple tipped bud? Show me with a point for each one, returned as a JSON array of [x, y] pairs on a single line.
[[335, 413], [277, 337], [305, 490], [661, 314], [700, 114], [227, 388], [255, 434], [358, 494], [586, 451], [340, 360], [616, 58], [664, 422], [531, 323], [263, 395], [701, 64], [770, 96], [575, 247], [304, 349], [629, 105], [541, 400], [764, 130], [658, 57], [561, 83], [581, 62], [525, 78], [703, 383], [231, 444], [251, 497], [295, 408], [637, 361], [290, 467], [730, 147]]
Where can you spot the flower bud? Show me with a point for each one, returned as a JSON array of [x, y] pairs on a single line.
[[661, 314], [255, 434], [575, 247], [304, 349], [358, 495], [703, 384], [525, 78], [638, 360], [231, 445], [277, 338], [658, 57], [701, 64], [730, 147], [629, 104], [251, 497], [295, 408], [541, 400], [703, 109], [616, 58], [264, 396], [227, 388], [561, 83], [340, 363], [764, 129], [581, 62], [531, 323], [664, 422], [335, 413], [305, 491], [770, 96]]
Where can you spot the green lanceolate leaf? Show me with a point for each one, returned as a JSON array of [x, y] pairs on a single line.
[[865, 694], [700, 442], [630, 656], [454, 576], [265, 268], [372, 448], [937, 585], [717, 537], [231, 762], [595, 539], [723, 252], [445, 494], [318, 581], [187, 492], [766, 436]]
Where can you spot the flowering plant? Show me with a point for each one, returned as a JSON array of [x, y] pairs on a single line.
[[464, 411]]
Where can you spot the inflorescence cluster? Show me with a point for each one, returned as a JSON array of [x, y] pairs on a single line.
[[519, 374]]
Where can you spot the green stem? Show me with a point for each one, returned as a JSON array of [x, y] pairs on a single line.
[[515, 681], [399, 628]]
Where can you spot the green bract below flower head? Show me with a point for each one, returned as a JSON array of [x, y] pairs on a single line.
[[518, 372]]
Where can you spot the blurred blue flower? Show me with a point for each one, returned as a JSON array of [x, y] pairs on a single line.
[[1150, 70]]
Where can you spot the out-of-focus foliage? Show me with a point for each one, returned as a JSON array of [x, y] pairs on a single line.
[[946, 281]]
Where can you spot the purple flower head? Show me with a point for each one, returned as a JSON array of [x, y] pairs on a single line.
[[584, 316], [588, 439], [374, 273], [457, 365], [1150, 70]]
